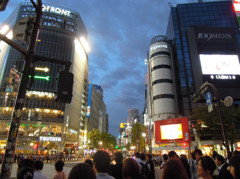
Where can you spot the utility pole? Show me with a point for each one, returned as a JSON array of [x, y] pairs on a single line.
[[16, 118], [196, 97]]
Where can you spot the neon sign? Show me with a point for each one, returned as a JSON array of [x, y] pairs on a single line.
[[55, 10]]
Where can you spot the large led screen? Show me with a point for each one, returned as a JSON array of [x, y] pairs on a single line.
[[172, 131], [216, 64]]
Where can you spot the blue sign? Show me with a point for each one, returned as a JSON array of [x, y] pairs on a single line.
[[208, 98]]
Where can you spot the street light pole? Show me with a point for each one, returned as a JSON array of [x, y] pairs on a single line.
[[202, 89], [16, 118], [144, 135]]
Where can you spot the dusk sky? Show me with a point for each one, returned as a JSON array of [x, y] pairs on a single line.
[[119, 34]]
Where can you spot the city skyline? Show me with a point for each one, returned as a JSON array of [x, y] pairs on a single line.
[[119, 38]]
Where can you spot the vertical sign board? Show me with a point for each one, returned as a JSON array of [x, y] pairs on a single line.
[[172, 131], [89, 101]]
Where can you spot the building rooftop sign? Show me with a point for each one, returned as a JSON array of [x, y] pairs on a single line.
[[55, 10]]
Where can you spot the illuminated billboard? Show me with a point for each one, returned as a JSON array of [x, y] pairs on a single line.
[[220, 69], [219, 64], [172, 131]]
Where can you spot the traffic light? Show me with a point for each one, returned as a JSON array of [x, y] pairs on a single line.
[[64, 87], [35, 146], [3, 4], [117, 147]]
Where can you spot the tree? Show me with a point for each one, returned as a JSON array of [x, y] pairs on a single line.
[[136, 133], [94, 138], [108, 140], [208, 124]]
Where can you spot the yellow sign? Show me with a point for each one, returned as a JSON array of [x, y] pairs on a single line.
[[122, 125]]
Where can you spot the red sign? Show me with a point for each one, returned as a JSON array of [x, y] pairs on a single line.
[[172, 131]]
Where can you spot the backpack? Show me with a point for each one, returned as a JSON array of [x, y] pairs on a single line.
[[145, 170]]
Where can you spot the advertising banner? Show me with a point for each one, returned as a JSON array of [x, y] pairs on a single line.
[[172, 131]]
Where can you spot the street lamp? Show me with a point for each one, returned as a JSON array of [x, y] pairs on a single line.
[[100, 143], [144, 135]]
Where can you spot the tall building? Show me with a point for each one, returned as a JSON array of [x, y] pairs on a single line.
[[132, 115], [161, 81], [97, 117], [54, 126], [203, 33]]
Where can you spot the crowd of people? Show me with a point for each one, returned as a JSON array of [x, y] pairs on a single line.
[[141, 166]]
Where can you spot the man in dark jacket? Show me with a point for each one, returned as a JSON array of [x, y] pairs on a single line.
[[116, 170], [223, 173]]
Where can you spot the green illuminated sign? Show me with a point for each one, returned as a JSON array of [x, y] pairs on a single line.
[[47, 78]]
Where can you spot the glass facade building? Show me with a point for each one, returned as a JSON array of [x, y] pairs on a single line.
[[219, 14], [49, 123]]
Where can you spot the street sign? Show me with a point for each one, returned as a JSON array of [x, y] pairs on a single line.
[[228, 101], [208, 98]]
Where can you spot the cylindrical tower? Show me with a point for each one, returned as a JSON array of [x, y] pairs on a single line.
[[161, 79]]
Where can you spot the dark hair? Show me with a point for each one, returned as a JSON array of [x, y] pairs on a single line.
[[236, 152], [59, 165], [118, 157], [235, 162], [208, 164], [220, 158], [137, 154], [82, 171], [130, 168], [214, 155], [25, 169], [174, 169], [101, 160], [89, 162], [142, 156], [197, 151], [38, 165], [186, 165], [172, 154], [165, 156], [149, 156]]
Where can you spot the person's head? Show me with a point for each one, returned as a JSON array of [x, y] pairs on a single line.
[[174, 169], [25, 169], [89, 162], [148, 157], [183, 156], [198, 154], [214, 154], [118, 157], [206, 166], [101, 161], [38, 165], [236, 152], [82, 171], [165, 157], [59, 165], [130, 168], [234, 166], [172, 154], [219, 159], [142, 156], [137, 155]]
